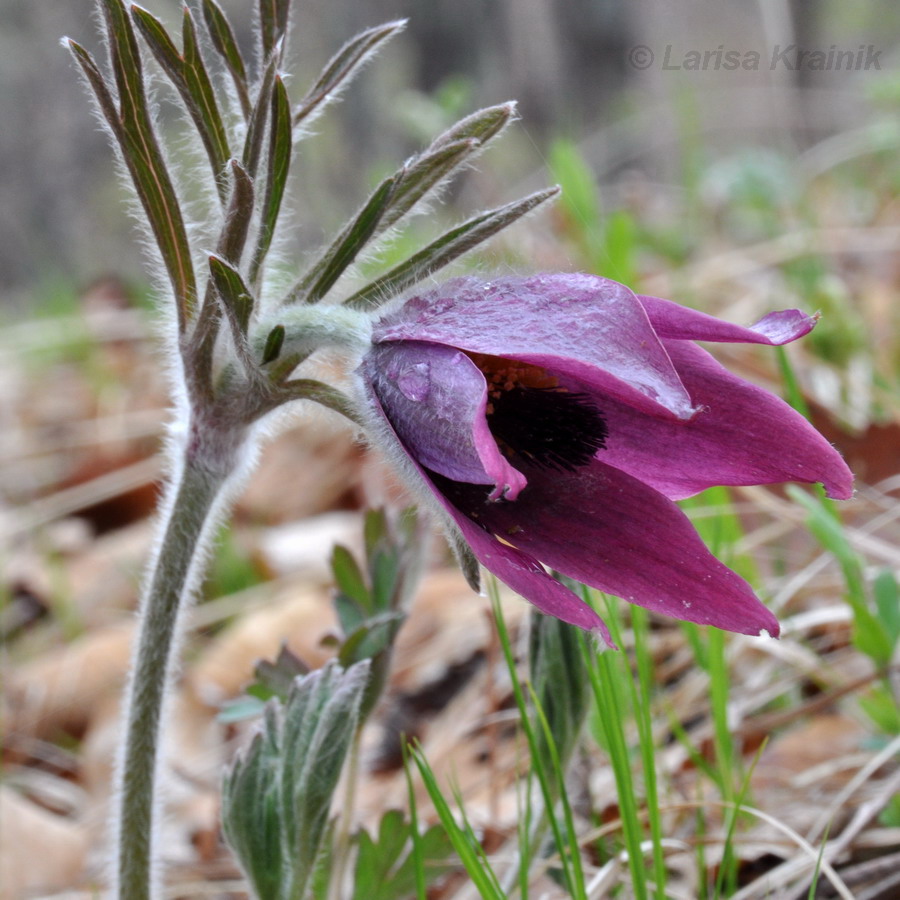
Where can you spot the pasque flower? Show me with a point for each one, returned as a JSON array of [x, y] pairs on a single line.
[[556, 418]]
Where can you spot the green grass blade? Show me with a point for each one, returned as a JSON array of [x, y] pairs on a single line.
[[607, 676], [718, 696], [641, 703], [571, 860], [576, 877], [470, 852], [415, 837], [727, 877]]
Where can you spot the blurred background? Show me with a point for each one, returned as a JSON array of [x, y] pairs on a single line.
[[595, 71], [736, 156]]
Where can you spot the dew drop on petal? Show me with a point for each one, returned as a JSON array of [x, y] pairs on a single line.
[[413, 381]]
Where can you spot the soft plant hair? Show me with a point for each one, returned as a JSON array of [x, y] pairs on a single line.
[[238, 349]]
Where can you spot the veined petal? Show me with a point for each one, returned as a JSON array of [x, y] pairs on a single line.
[[606, 529], [435, 399], [743, 435], [584, 326], [670, 320]]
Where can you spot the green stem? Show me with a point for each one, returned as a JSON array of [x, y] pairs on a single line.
[[341, 853], [167, 596]]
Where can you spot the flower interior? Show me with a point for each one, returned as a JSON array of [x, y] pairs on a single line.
[[534, 419]]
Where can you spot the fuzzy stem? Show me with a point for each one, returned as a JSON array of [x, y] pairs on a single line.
[[167, 596]]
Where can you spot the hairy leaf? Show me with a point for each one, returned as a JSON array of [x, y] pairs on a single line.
[[444, 250], [223, 40], [280, 145], [343, 67], [133, 127], [345, 247]]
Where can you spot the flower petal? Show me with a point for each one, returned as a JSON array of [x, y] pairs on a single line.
[[606, 529], [525, 575], [743, 435], [435, 398], [670, 320], [581, 325]]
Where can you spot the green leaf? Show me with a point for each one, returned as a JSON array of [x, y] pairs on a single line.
[[238, 215], [133, 127], [273, 20], [376, 533], [160, 44], [247, 707], [371, 638], [189, 76], [277, 795], [483, 125], [384, 871], [274, 343], [280, 145], [344, 249], [234, 293], [251, 804], [349, 578], [424, 174], [237, 302], [880, 705], [223, 40], [869, 635], [95, 79], [278, 678], [205, 108], [445, 250], [887, 602], [561, 682], [448, 153], [343, 67], [256, 127]]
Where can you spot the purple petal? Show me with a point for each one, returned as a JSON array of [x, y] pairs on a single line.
[[743, 435], [525, 576], [610, 531], [670, 320], [578, 325], [434, 398]]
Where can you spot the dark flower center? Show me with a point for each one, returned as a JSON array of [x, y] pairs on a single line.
[[550, 428], [533, 418]]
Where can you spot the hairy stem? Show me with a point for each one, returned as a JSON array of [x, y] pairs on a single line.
[[188, 521]]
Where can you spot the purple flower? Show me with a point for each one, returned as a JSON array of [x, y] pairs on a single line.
[[556, 418]]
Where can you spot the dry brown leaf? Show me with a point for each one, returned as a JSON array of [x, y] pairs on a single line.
[[304, 472], [40, 851], [61, 690]]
